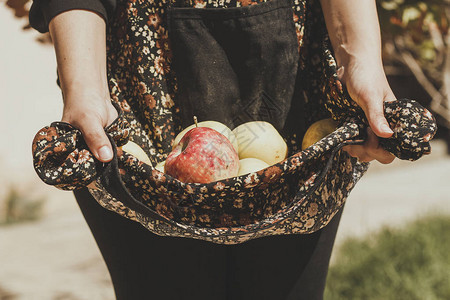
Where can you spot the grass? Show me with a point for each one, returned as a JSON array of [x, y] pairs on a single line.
[[412, 263], [19, 207]]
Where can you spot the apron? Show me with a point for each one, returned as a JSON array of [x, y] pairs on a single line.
[[231, 63], [235, 65]]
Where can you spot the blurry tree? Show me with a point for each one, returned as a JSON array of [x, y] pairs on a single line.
[[416, 39], [21, 8]]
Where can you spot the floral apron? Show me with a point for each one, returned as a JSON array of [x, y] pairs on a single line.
[[233, 62]]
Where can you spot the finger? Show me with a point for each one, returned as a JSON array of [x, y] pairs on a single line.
[[375, 115], [362, 152], [385, 157], [371, 143], [359, 152], [371, 150], [352, 150], [389, 96], [381, 155], [374, 149], [112, 114], [96, 140]]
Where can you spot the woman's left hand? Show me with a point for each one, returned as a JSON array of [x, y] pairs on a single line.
[[368, 87]]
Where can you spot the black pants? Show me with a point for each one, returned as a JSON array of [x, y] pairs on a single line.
[[143, 265]]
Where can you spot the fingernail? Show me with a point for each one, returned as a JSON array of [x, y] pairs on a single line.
[[386, 128], [105, 153]]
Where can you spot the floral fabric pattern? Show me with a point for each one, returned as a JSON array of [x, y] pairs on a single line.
[[298, 195]]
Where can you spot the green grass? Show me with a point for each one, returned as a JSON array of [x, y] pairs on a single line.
[[412, 263], [20, 207]]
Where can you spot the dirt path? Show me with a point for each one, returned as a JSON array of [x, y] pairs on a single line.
[[393, 194], [56, 257]]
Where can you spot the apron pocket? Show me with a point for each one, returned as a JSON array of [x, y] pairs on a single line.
[[234, 65]]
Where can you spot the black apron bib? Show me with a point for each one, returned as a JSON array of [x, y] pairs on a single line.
[[235, 65]]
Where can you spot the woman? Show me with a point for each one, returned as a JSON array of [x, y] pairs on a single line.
[[278, 267]]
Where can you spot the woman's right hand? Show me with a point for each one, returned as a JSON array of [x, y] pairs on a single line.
[[79, 37], [91, 114]]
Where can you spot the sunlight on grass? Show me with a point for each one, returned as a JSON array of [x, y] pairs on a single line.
[[411, 263]]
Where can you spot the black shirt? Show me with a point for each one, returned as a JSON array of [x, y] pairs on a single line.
[[42, 11]]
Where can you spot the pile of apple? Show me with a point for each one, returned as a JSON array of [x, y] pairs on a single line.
[[210, 151]]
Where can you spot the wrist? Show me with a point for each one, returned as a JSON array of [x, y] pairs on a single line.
[[83, 76], [81, 93], [353, 62], [84, 85], [348, 56], [88, 104]]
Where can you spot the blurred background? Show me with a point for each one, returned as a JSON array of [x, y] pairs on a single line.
[[394, 237]]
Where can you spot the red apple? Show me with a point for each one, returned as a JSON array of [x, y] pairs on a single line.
[[203, 155]]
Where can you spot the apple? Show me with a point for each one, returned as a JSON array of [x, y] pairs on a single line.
[[160, 166], [259, 139], [317, 131], [222, 128], [250, 165], [203, 155], [135, 150]]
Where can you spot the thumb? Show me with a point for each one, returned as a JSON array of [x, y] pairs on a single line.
[[377, 122], [97, 141]]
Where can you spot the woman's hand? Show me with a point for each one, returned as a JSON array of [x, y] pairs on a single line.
[[368, 86], [355, 35], [91, 114], [80, 45]]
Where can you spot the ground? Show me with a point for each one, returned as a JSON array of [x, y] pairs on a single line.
[[56, 256]]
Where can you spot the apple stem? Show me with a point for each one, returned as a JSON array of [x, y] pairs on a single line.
[[195, 121]]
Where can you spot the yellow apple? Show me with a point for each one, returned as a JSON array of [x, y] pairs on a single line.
[[249, 165], [259, 139], [135, 150], [160, 166], [318, 131], [222, 128]]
